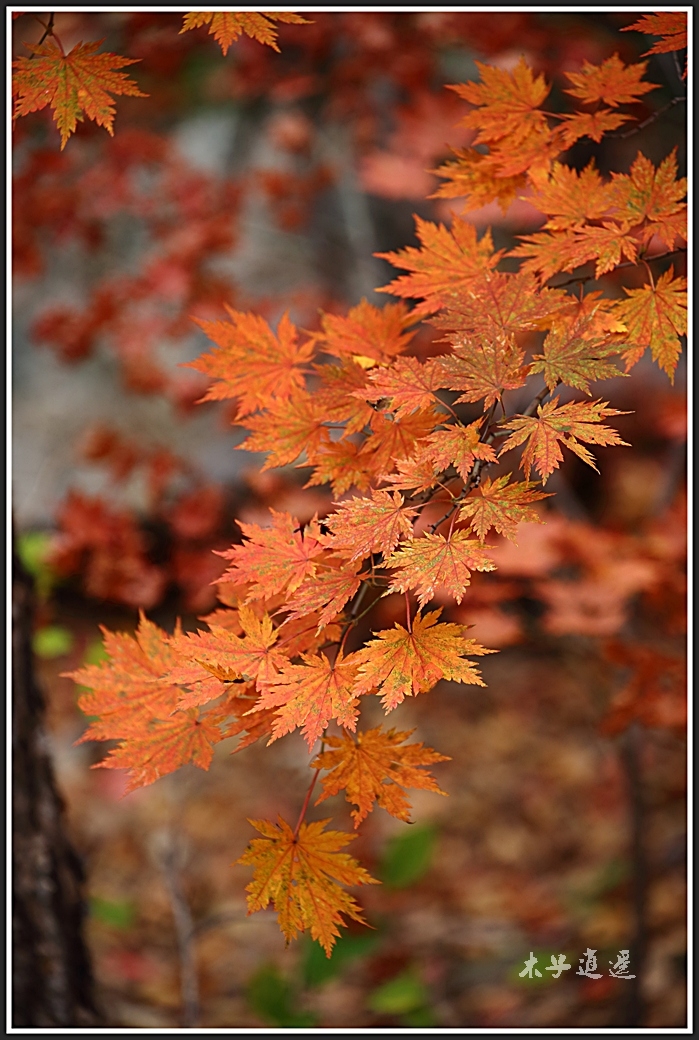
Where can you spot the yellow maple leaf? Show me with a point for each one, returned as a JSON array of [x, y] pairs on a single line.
[[227, 26], [299, 875], [75, 85]]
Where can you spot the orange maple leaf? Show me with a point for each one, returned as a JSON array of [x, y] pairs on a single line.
[[473, 177], [407, 385], [552, 252], [362, 526], [127, 689], [336, 398], [612, 82], [309, 695], [393, 439], [298, 874], [402, 663], [577, 352], [671, 26], [327, 591], [557, 424], [508, 103], [590, 124], [375, 768], [570, 198], [652, 196], [498, 302], [251, 364], [655, 316], [367, 333], [499, 504], [227, 26], [75, 85], [433, 561], [273, 558], [445, 263], [482, 367], [460, 445], [229, 657], [286, 429], [340, 464], [166, 745]]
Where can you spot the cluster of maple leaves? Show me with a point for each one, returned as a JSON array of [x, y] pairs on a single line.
[[288, 649]]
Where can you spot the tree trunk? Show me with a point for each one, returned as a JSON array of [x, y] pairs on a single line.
[[51, 973]]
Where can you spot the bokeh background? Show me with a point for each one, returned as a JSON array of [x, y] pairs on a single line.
[[268, 181]]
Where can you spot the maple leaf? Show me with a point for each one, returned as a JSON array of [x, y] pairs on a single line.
[[309, 695], [286, 429], [460, 445], [556, 424], [393, 439], [508, 103], [589, 124], [327, 591], [165, 746], [251, 364], [407, 384], [498, 302], [75, 85], [128, 687], [470, 175], [375, 768], [227, 26], [552, 252], [338, 396], [367, 333], [655, 316], [339, 463], [413, 474], [298, 874], [433, 561], [229, 657], [483, 367], [402, 663], [612, 82], [651, 195], [671, 26], [576, 353], [236, 717], [362, 526], [443, 265], [570, 198], [273, 558], [499, 504]]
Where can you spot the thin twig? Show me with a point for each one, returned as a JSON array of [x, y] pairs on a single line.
[[168, 855], [577, 279], [307, 799], [647, 122]]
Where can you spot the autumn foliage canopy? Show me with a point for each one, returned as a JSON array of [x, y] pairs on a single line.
[[405, 441]]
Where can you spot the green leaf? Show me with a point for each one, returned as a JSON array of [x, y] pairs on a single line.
[[119, 913], [270, 996], [33, 549], [408, 856], [318, 969], [52, 641], [402, 995]]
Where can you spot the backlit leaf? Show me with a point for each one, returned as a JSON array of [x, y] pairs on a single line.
[[402, 663], [227, 26], [375, 767], [299, 875], [75, 85], [433, 561]]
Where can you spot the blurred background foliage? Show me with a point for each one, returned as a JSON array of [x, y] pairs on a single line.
[[267, 181]]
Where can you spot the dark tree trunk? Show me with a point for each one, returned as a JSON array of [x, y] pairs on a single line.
[[51, 974]]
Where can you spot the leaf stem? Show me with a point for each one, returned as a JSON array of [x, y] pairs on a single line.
[[307, 799]]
